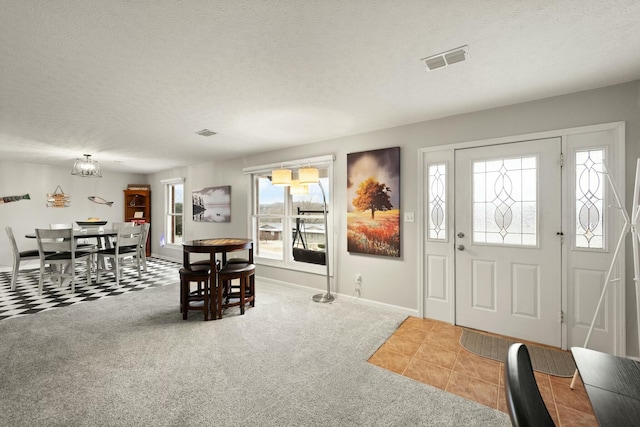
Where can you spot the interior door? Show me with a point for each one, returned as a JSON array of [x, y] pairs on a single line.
[[508, 269]]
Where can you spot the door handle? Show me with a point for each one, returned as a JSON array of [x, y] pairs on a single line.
[[461, 234], [461, 247]]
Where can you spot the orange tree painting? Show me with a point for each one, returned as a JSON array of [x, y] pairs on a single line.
[[373, 211]]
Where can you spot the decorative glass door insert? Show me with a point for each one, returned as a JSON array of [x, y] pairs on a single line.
[[505, 201], [589, 199]]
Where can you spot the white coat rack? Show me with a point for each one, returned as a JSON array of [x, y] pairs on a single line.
[[630, 224]]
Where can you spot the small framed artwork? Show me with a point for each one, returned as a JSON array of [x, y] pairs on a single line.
[[138, 214], [373, 202], [212, 204]]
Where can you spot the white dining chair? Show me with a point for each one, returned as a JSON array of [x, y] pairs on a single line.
[[142, 248], [125, 253], [58, 256], [18, 256]]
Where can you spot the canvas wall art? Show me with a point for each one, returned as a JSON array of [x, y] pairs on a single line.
[[212, 204], [373, 202]]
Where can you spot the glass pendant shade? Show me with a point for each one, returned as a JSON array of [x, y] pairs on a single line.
[[281, 177], [86, 168], [309, 175]]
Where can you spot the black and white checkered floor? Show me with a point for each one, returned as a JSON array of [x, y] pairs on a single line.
[[25, 299]]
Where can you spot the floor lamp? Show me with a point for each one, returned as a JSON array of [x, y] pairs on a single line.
[[631, 223], [306, 176]]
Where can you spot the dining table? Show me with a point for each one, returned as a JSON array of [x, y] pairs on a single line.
[[214, 247], [102, 235], [612, 384]]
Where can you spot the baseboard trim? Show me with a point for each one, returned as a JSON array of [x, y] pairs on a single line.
[[349, 298]]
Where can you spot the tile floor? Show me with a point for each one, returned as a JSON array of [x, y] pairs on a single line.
[[429, 351]]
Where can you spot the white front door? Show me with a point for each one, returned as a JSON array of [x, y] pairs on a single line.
[[508, 217]]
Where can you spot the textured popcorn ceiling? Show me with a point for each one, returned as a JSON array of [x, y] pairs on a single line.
[[131, 81]]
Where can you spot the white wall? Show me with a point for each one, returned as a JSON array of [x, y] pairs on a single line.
[[37, 180], [211, 174], [394, 281]]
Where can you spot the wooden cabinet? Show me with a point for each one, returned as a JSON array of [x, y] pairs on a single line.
[[137, 208]]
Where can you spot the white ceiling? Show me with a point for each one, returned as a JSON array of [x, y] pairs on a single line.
[[130, 82]]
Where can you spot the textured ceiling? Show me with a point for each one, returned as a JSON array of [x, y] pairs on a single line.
[[130, 82]]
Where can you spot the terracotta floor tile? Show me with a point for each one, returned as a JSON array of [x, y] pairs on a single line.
[[445, 329], [477, 390], [502, 400], [570, 417], [544, 385], [477, 367], [436, 355], [411, 334], [443, 341], [429, 351], [417, 323], [576, 398], [390, 361], [400, 345], [427, 373]]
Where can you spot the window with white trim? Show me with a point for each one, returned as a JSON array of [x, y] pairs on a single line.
[[282, 219], [174, 211]]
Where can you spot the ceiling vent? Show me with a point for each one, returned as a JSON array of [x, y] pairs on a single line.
[[205, 132], [447, 58]]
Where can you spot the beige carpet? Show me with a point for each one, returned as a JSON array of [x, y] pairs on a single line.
[[545, 360]]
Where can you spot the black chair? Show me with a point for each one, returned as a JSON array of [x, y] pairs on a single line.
[[526, 406]]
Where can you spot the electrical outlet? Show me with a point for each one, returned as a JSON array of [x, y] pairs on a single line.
[[358, 287]]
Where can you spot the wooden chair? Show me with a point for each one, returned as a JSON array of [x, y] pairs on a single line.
[[142, 248], [58, 256], [525, 404], [200, 299], [125, 253], [244, 292], [19, 256], [84, 246]]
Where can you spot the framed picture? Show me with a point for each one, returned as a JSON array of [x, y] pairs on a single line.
[[138, 214], [212, 204], [373, 202]]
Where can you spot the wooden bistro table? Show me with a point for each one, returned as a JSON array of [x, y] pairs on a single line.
[[213, 247]]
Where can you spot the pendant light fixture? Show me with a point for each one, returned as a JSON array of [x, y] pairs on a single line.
[[86, 168]]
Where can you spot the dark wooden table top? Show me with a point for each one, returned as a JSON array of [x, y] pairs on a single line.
[[613, 386], [221, 244]]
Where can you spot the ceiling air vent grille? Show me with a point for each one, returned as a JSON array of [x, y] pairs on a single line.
[[205, 132], [444, 59]]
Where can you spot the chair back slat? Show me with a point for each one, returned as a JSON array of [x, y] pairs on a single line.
[[129, 236], [56, 240]]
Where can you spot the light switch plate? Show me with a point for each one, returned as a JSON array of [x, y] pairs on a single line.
[[408, 217]]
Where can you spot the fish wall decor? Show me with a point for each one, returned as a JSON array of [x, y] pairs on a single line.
[[99, 200], [9, 199], [58, 199]]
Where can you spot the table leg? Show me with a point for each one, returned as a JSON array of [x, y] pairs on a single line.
[[217, 313]]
